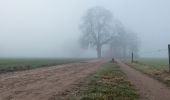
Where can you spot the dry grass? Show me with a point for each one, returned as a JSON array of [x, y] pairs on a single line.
[[109, 83], [155, 69]]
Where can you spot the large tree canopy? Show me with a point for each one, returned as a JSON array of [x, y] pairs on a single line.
[[97, 28], [124, 43]]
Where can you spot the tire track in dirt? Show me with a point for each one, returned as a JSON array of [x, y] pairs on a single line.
[[45, 83], [149, 88]]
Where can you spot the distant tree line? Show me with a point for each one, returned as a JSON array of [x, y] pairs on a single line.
[[100, 28]]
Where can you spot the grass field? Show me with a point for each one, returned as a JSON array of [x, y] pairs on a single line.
[[109, 83], [154, 67], [158, 63], [11, 65]]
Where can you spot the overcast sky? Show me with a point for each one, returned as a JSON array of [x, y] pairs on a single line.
[[49, 28]]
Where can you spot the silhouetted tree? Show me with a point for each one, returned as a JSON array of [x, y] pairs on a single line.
[[124, 43], [97, 28]]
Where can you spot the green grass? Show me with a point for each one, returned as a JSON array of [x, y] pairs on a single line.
[[158, 63], [12, 65], [154, 67], [109, 83]]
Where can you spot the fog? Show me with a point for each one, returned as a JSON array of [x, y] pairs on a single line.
[[50, 28]]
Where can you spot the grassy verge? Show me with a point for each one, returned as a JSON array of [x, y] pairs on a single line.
[[156, 68], [109, 83], [12, 65], [156, 63]]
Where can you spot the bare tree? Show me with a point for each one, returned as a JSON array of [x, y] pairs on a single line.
[[124, 43], [133, 43], [97, 28]]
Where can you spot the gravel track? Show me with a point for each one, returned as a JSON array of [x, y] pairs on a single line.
[[48, 83], [149, 88]]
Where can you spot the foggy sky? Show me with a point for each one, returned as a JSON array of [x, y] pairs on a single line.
[[49, 28]]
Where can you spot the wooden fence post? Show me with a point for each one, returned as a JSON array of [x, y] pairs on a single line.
[[132, 58], [169, 55]]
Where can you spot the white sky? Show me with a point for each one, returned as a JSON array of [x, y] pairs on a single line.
[[42, 28]]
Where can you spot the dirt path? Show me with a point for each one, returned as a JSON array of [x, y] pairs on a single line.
[[45, 83], [149, 88]]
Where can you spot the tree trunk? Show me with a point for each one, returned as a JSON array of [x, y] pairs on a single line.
[[99, 51]]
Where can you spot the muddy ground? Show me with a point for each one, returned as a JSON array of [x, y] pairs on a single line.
[[51, 83], [149, 88]]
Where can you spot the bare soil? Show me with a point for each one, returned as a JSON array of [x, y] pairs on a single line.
[[51, 83], [149, 88]]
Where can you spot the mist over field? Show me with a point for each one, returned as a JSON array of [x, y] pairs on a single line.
[[41, 28]]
